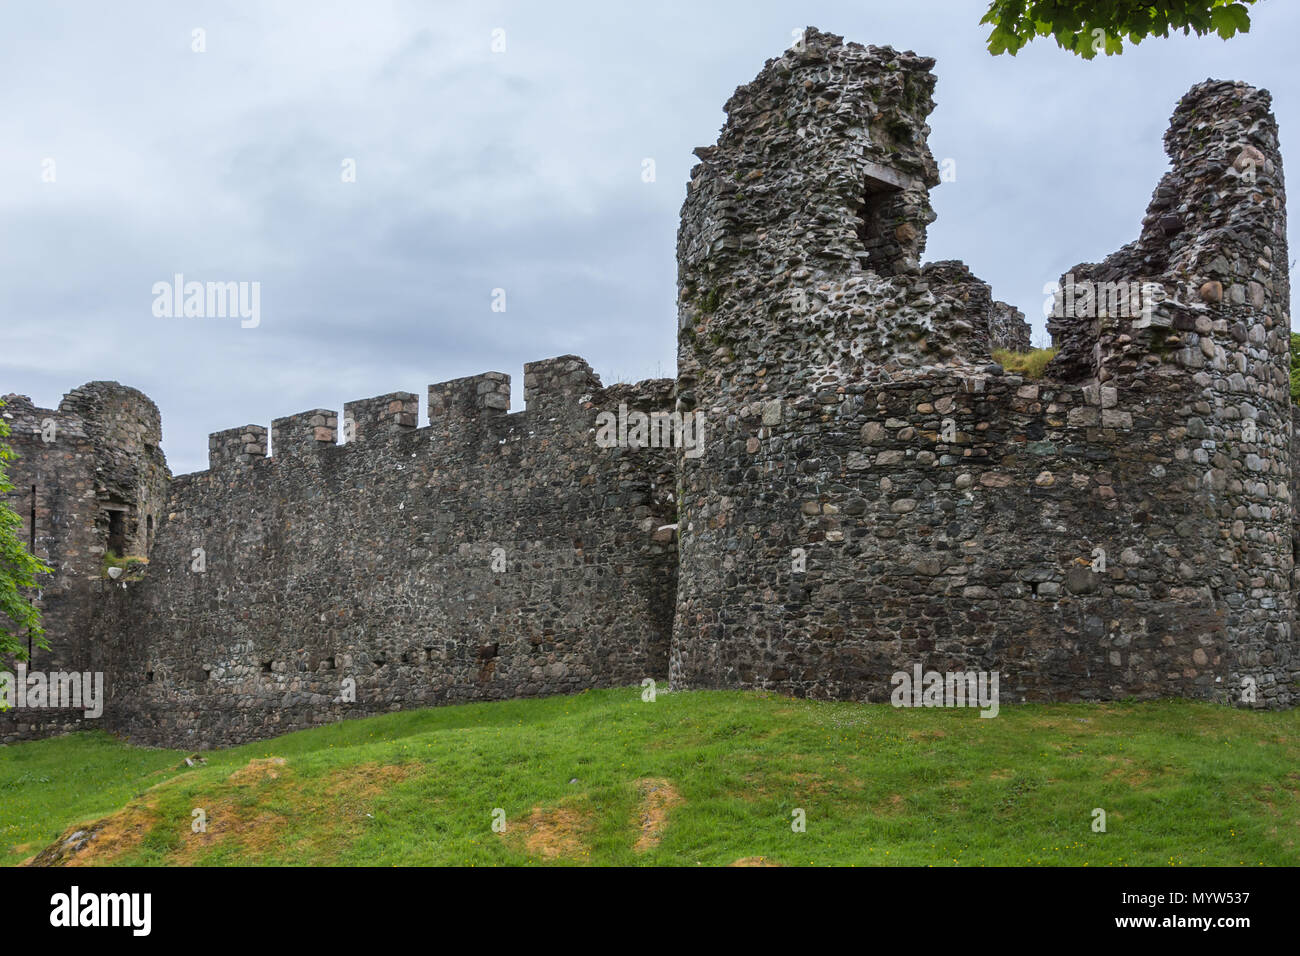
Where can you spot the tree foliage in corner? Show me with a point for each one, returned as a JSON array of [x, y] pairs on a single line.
[[19, 618], [1089, 27], [1295, 367]]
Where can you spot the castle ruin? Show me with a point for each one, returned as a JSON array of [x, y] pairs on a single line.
[[873, 491]]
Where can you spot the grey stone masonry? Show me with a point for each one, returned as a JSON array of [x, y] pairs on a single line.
[[879, 494], [384, 415], [1008, 328], [236, 445], [304, 432]]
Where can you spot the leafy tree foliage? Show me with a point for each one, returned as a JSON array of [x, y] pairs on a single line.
[[18, 570], [1089, 27], [1295, 367]]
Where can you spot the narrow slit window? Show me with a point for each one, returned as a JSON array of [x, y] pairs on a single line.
[[117, 532]]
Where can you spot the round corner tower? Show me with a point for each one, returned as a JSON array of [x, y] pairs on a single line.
[[800, 287], [875, 494]]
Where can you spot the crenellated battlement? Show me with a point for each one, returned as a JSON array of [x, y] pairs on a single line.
[[466, 409], [304, 432], [370, 419], [552, 385], [560, 393], [477, 557], [241, 446]]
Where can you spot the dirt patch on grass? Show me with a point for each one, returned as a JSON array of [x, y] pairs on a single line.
[[554, 833], [658, 796], [892, 806], [257, 770], [1294, 787], [332, 806], [365, 780], [99, 843], [226, 820], [228, 813], [250, 812], [810, 783], [1129, 772], [760, 785], [754, 861], [927, 734]]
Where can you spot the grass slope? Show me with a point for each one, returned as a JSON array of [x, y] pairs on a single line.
[[692, 778]]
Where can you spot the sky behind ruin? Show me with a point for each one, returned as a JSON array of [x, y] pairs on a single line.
[[520, 170]]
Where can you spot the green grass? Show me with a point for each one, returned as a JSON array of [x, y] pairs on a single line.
[[1029, 364], [1181, 783], [131, 565]]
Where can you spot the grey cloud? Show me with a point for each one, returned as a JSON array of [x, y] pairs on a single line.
[[477, 171]]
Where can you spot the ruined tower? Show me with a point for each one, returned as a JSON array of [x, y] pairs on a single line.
[[89, 481], [877, 494]]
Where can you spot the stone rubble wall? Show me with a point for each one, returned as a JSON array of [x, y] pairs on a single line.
[[1214, 244], [1008, 328], [373, 561]]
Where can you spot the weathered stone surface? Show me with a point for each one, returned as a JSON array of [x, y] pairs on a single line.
[[1130, 456], [1008, 328], [374, 561]]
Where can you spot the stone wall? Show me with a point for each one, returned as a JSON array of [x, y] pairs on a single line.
[[1214, 248], [1008, 328], [487, 555]]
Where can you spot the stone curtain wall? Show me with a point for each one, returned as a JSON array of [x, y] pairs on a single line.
[[883, 496], [374, 561]]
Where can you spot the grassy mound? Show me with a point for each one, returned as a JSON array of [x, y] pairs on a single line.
[[692, 778]]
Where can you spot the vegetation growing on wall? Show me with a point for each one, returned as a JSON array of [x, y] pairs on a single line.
[[1029, 364], [19, 618], [1295, 367]]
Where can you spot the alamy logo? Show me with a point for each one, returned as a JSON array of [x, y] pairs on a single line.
[[73, 909], [35, 690], [634, 429], [1087, 299], [953, 689], [208, 300]]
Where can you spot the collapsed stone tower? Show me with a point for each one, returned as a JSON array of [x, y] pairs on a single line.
[[876, 493], [89, 480]]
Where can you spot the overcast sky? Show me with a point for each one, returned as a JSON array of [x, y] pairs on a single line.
[[477, 170]]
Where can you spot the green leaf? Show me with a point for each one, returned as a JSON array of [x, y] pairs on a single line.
[[1071, 22], [1224, 23]]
